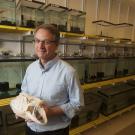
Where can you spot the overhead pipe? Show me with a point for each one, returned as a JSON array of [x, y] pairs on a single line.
[[133, 31], [127, 20], [67, 3], [97, 9], [82, 5], [128, 12], [109, 10], [119, 8]]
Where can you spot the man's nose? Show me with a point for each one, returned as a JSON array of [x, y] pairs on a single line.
[[41, 43]]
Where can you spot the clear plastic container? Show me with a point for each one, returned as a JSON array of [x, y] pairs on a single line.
[[40, 17], [56, 15], [101, 69], [12, 71], [29, 13], [26, 17], [7, 13], [76, 21], [80, 64]]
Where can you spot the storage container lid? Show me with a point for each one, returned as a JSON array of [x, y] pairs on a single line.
[[113, 90]]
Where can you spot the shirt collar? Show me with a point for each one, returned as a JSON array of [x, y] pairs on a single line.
[[49, 64]]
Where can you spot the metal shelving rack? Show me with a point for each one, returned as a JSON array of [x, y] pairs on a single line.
[[101, 119]]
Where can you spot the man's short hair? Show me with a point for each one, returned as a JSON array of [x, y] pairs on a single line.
[[52, 29]]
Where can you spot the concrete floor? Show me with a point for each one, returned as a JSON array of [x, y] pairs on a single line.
[[121, 125]]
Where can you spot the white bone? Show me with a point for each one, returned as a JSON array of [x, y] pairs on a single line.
[[29, 108]]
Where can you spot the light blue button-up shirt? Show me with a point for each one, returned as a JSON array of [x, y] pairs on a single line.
[[57, 84]]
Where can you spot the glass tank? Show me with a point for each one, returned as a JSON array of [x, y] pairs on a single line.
[[57, 15], [29, 14], [101, 69], [40, 17], [7, 12], [26, 17], [130, 62], [76, 21], [28, 46], [13, 69], [12, 72], [80, 64], [125, 66]]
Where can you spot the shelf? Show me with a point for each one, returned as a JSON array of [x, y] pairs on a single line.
[[30, 3], [100, 84], [12, 40], [73, 58], [89, 125], [106, 23], [90, 36], [124, 25], [4, 102], [68, 34], [24, 29], [103, 23], [75, 12], [54, 7], [99, 121], [15, 59], [6, 28], [122, 40]]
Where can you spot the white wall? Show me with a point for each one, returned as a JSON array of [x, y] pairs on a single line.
[[118, 14], [74, 4], [59, 2], [90, 16]]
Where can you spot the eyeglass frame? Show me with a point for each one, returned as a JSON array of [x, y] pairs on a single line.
[[44, 42]]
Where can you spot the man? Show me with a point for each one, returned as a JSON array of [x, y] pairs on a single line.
[[53, 81]]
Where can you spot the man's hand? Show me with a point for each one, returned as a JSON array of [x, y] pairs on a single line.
[[47, 109], [52, 111]]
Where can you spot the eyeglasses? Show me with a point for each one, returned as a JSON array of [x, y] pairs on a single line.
[[44, 42]]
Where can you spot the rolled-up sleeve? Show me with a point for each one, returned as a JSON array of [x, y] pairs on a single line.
[[76, 98]]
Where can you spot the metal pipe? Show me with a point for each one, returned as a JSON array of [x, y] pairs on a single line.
[[119, 8], [128, 12], [82, 5], [133, 32], [67, 3], [109, 10], [97, 10]]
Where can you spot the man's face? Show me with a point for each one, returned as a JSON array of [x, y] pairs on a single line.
[[45, 45]]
